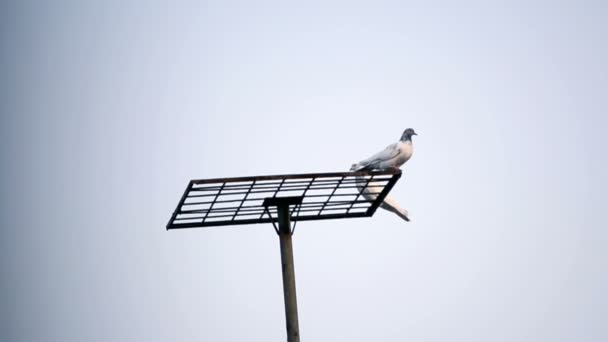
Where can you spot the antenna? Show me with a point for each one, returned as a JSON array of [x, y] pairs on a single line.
[[282, 199]]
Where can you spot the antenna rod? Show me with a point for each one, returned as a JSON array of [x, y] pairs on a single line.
[[289, 277]]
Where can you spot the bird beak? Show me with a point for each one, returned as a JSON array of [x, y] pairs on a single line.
[[414, 133]]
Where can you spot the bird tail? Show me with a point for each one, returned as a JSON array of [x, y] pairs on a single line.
[[370, 190], [391, 205]]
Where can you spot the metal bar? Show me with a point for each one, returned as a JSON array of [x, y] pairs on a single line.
[[254, 210], [299, 189], [179, 205], [251, 212], [263, 220], [383, 194], [360, 192], [290, 184], [289, 277], [288, 187], [276, 201], [243, 201], [279, 188], [332, 193], [213, 202], [246, 208], [304, 204], [276, 192], [334, 203], [215, 199], [339, 195], [231, 209], [264, 185], [218, 214], [295, 176]]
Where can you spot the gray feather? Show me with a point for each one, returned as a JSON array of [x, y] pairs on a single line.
[[390, 152]]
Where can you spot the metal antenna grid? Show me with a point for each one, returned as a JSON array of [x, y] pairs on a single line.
[[231, 201], [282, 199]]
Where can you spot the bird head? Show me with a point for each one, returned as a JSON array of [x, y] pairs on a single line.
[[407, 134]]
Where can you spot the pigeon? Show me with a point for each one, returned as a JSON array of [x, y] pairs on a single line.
[[392, 157]]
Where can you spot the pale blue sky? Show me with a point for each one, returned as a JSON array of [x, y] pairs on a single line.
[[109, 108]]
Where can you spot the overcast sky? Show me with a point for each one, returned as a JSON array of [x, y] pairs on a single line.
[[109, 108]]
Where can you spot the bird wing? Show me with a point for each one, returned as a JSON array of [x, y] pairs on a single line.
[[390, 152]]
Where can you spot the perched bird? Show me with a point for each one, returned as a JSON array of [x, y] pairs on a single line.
[[393, 156]]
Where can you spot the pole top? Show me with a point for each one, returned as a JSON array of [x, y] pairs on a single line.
[[281, 201]]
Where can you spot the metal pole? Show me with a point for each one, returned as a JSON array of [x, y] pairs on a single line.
[[289, 277]]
